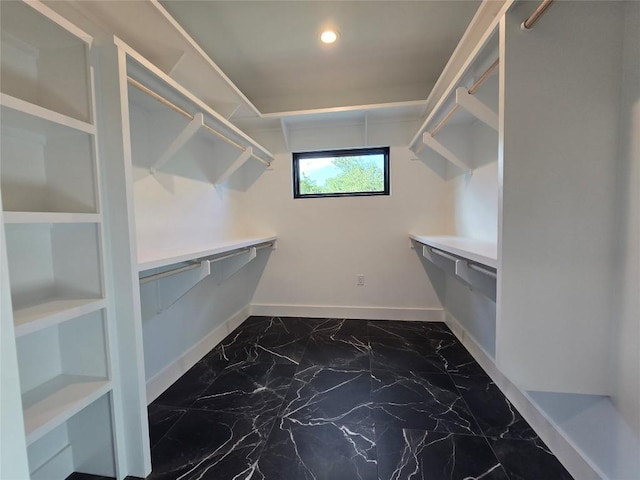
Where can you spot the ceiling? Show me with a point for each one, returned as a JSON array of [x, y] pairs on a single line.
[[387, 51]]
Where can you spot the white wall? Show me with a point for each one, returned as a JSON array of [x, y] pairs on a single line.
[[625, 347], [476, 195], [324, 243]]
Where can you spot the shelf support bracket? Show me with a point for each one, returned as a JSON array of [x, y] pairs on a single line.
[[437, 147], [285, 134], [366, 129], [244, 156], [174, 287], [187, 134], [480, 279], [444, 263], [224, 269], [476, 108]]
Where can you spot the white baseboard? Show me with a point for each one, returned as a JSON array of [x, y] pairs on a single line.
[[168, 375], [559, 445], [364, 313]]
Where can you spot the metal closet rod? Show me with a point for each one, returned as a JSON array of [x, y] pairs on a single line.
[[196, 263], [184, 113], [472, 90], [454, 109], [535, 16], [472, 265]]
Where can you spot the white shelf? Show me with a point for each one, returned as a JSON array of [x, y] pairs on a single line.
[[39, 149], [474, 250], [56, 401], [52, 312], [44, 59], [49, 217], [186, 61], [161, 258], [145, 72], [22, 114], [595, 428]]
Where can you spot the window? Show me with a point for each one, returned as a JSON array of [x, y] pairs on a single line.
[[341, 173]]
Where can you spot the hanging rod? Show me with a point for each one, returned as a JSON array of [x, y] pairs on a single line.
[[474, 88], [486, 271], [157, 276], [196, 263], [535, 16], [444, 254], [472, 265], [184, 113]]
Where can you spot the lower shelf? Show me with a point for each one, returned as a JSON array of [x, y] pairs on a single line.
[[56, 401], [593, 425], [52, 312]]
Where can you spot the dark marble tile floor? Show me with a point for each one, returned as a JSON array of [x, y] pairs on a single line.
[[327, 399]]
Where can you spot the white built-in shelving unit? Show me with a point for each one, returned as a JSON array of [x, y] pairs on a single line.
[[158, 259], [53, 230], [176, 137], [182, 163], [551, 177]]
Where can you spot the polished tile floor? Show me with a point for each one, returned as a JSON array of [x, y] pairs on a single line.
[[293, 398], [325, 399]]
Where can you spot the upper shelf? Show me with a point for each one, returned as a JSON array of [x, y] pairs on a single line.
[[166, 93], [475, 52], [161, 258], [480, 252], [37, 45], [152, 31]]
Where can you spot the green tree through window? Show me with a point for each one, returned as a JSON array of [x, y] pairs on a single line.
[[341, 173]]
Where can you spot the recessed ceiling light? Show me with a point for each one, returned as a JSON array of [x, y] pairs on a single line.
[[328, 36]]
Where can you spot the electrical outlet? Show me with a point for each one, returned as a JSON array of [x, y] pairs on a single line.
[[360, 279]]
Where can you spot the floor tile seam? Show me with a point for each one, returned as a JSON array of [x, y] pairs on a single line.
[[399, 426], [469, 409], [497, 458], [169, 429], [330, 367], [391, 370]]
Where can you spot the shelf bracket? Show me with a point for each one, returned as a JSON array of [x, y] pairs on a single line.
[[187, 134], [476, 108], [366, 129], [224, 269], [480, 279], [172, 288], [227, 110], [285, 134], [437, 147], [244, 156], [444, 262]]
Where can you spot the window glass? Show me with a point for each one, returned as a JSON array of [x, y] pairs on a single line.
[[339, 173]]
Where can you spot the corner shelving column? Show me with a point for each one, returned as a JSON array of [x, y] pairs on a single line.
[[62, 328], [559, 166]]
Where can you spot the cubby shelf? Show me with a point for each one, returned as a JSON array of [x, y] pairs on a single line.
[[56, 401], [51, 217], [23, 114], [53, 312], [155, 259]]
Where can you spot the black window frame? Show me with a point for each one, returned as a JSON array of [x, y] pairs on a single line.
[[296, 156]]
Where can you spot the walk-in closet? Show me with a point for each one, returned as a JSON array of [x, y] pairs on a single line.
[[234, 248]]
